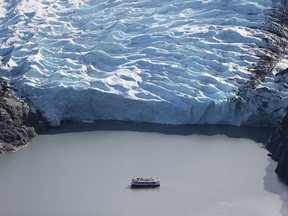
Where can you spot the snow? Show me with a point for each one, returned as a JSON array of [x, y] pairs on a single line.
[[172, 62]]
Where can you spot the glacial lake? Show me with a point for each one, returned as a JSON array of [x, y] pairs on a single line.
[[86, 171]]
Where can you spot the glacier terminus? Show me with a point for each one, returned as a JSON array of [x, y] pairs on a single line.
[[170, 62]]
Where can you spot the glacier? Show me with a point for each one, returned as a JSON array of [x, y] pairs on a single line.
[[169, 62]]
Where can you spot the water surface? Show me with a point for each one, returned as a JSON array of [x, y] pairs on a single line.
[[88, 173]]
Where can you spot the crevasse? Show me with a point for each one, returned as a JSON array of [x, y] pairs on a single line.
[[172, 62]]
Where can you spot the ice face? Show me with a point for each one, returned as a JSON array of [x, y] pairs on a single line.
[[174, 62]]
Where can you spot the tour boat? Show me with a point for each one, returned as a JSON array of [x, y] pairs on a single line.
[[145, 182]]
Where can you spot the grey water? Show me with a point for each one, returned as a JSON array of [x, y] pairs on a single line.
[[86, 170]]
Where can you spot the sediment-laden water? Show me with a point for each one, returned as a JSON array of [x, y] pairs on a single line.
[[88, 173]]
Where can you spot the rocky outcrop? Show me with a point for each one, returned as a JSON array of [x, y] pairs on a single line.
[[16, 120], [278, 146]]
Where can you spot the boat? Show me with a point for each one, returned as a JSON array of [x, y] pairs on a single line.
[[145, 183]]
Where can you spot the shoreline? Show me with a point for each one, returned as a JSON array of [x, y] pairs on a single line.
[[231, 131], [19, 125]]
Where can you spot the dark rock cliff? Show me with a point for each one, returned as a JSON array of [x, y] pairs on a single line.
[[16, 120], [278, 146]]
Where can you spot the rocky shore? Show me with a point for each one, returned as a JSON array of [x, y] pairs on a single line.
[[278, 146], [18, 124]]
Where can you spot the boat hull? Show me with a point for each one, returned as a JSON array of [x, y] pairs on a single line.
[[145, 186]]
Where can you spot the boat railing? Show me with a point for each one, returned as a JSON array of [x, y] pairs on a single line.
[[145, 180]]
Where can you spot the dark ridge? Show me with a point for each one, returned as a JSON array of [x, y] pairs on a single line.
[[17, 122], [277, 25], [278, 146]]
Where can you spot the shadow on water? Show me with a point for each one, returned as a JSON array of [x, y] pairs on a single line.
[[259, 135], [275, 186], [142, 189]]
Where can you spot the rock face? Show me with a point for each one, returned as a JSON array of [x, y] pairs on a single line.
[[16, 121], [278, 146]]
